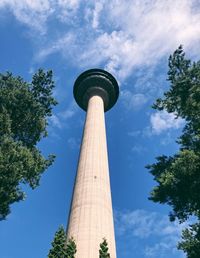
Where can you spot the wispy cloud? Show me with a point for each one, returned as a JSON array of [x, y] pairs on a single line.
[[154, 234], [54, 121], [58, 46], [59, 121], [69, 111], [143, 224], [66, 9], [133, 101], [139, 149], [119, 35], [162, 121], [73, 143], [34, 14], [96, 14]]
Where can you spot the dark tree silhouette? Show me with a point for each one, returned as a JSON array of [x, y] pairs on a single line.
[[59, 247], [178, 176], [24, 109], [103, 252]]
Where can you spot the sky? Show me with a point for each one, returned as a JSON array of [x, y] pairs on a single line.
[[132, 40]]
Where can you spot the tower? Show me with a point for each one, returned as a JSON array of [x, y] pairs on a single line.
[[91, 215]]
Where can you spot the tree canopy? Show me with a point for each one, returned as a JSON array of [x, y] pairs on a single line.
[[103, 251], [71, 248], [178, 176], [61, 249], [191, 241], [24, 109]]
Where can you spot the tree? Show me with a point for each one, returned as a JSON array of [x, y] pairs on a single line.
[[24, 109], [59, 247], [178, 176], [191, 241], [103, 252], [71, 248]]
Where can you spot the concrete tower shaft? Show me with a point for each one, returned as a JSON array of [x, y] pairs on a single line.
[[91, 216]]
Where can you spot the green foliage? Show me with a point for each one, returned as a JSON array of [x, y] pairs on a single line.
[[178, 181], [103, 252], [178, 176], [191, 241], [59, 247], [71, 248], [24, 108]]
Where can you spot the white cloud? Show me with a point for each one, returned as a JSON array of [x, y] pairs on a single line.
[[157, 236], [96, 14], [162, 121], [66, 10], [73, 143], [133, 101], [142, 224], [55, 121], [119, 35], [140, 34], [162, 250], [139, 149], [34, 14], [115, 49], [59, 119], [167, 139], [68, 4], [152, 29], [135, 133], [60, 45], [69, 112]]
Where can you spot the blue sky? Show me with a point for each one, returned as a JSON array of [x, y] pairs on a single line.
[[132, 40]]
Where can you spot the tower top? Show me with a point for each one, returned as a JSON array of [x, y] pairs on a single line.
[[96, 82]]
